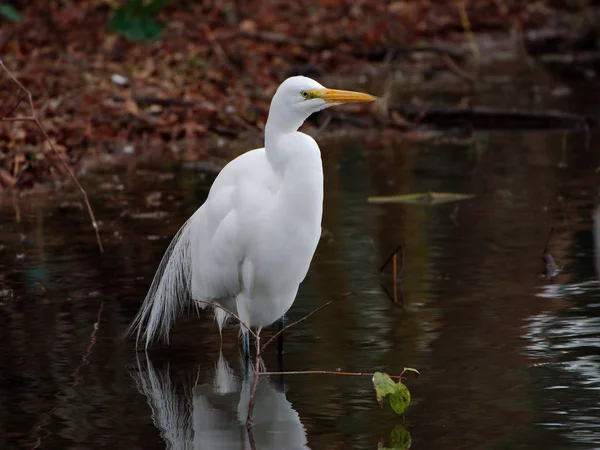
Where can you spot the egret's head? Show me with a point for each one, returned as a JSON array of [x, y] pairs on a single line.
[[298, 97]]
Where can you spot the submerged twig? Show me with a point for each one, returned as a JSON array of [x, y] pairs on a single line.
[[395, 277], [33, 118]]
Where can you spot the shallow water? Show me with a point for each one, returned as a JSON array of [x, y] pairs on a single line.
[[509, 358]]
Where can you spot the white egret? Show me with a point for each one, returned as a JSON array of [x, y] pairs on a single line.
[[249, 246]]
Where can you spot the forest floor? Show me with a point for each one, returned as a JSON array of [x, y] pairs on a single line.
[[206, 82]]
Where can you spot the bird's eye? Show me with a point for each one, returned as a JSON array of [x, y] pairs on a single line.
[[305, 94]]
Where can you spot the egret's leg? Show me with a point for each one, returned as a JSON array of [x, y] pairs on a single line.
[[280, 354], [246, 337], [280, 339]]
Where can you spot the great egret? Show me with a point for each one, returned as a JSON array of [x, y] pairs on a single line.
[[249, 246]]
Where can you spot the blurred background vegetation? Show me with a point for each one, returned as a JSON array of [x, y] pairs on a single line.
[[180, 79]]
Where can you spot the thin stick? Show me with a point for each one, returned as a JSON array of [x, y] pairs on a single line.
[[33, 118], [328, 372], [387, 261], [242, 323], [324, 305]]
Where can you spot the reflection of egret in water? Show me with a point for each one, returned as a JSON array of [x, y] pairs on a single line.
[[213, 415], [596, 218]]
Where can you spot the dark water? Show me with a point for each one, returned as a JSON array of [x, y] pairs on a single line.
[[509, 359]]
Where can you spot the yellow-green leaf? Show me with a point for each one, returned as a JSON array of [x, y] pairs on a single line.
[[424, 198], [384, 385], [397, 393], [400, 399]]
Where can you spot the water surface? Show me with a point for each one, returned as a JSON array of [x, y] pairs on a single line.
[[509, 358]]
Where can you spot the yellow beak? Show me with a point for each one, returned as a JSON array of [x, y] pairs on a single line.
[[337, 96]]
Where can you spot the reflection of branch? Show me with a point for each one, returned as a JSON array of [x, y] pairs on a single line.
[[61, 398], [33, 118], [396, 301], [305, 317], [252, 400], [85, 358]]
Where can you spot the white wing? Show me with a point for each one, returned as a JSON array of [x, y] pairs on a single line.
[[204, 260], [222, 225]]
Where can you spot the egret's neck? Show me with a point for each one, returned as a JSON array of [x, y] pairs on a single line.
[[280, 124]]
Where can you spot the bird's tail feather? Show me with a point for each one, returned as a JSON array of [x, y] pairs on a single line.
[[169, 293]]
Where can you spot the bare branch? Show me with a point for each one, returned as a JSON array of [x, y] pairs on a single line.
[[33, 118], [324, 305], [329, 372]]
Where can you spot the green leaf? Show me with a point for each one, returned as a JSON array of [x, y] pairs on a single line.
[[384, 385], [400, 400], [426, 198], [410, 369], [397, 393], [9, 12]]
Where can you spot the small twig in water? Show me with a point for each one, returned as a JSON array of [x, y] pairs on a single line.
[[329, 372], [232, 314], [33, 118], [396, 273], [324, 305], [389, 258]]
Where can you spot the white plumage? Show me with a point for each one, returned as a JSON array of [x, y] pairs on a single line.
[[249, 246]]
